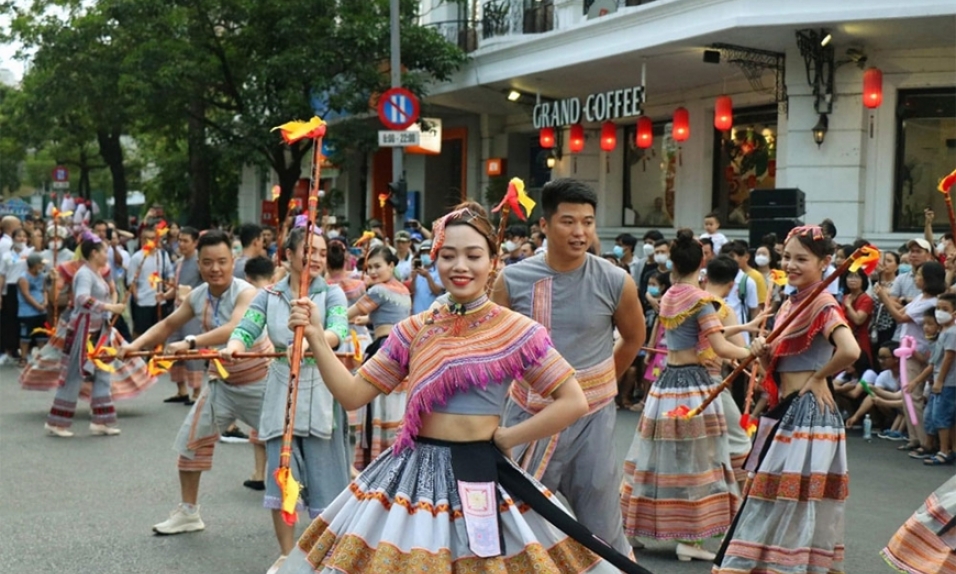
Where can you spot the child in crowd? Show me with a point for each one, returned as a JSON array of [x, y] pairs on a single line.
[[847, 389], [931, 330], [657, 285], [31, 308], [940, 413], [712, 231]]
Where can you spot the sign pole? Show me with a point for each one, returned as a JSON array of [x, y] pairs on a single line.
[[398, 169]]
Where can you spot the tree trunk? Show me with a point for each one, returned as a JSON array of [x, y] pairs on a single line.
[[112, 153], [199, 178], [84, 164], [288, 173]]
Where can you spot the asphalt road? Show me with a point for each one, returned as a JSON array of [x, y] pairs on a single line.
[[87, 504]]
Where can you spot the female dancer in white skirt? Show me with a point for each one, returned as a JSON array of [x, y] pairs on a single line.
[[386, 303], [926, 543], [444, 498], [792, 517], [678, 478], [319, 457]]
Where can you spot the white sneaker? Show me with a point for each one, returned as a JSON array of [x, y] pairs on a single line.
[[57, 431], [179, 521], [274, 569], [686, 552], [4, 360], [103, 430]]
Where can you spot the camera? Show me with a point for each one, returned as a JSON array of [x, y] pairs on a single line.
[[416, 263]]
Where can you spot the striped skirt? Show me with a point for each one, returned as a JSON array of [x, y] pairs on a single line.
[[42, 372], [923, 545], [678, 479], [792, 519], [403, 514]]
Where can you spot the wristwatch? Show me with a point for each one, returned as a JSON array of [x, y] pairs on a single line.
[[191, 339]]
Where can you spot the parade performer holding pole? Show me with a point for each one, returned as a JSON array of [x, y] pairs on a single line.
[[444, 497], [678, 476], [303, 427], [235, 394], [793, 513], [580, 299]]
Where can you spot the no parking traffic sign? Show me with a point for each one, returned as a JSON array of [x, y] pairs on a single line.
[[398, 108]]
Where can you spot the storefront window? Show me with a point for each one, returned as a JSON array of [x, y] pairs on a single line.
[[745, 159], [925, 152], [649, 176]]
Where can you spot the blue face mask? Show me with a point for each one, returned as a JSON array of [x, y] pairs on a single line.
[[653, 290], [618, 251], [905, 268], [669, 265], [426, 261]]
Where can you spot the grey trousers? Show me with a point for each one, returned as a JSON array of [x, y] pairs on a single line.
[[579, 463]]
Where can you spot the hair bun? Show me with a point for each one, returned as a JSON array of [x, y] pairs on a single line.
[[685, 238]]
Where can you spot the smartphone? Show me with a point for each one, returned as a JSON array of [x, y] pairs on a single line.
[[417, 263], [109, 234]]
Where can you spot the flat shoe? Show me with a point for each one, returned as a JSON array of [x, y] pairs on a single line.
[[255, 484], [177, 399], [908, 446]]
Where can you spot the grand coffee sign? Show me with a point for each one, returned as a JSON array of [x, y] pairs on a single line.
[[597, 107]]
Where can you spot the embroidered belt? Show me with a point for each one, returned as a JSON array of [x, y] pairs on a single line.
[[599, 384], [479, 468]]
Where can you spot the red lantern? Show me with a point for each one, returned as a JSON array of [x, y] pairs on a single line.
[[576, 138], [645, 132], [872, 87], [546, 138], [608, 136], [680, 128], [723, 113]]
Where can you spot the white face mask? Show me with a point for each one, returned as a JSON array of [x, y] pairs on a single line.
[[333, 234], [648, 250], [19, 245], [509, 246], [761, 260], [53, 245], [943, 318], [660, 258]]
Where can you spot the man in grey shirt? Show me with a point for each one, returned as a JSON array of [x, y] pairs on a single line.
[[580, 299], [250, 235], [904, 287], [186, 373]]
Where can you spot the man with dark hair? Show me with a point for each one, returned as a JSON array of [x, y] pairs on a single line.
[[743, 297], [149, 272], [250, 235], [624, 245], [579, 298], [740, 251], [260, 270], [186, 374], [219, 303]]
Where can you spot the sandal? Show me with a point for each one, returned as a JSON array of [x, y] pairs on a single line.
[[941, 459], [921, 454], [908, 446]]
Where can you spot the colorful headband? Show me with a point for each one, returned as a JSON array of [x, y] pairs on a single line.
[[303, 221], [438, 228], [815, 232], [88, 236]]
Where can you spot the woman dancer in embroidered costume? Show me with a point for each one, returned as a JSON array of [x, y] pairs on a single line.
[[792, 517], [437, 499], [678, 479], [89, 321], [926, 543], [320, 461], [386, 303]]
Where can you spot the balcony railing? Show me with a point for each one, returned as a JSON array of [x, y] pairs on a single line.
[[462, 33], [620, 4], [504, 17]]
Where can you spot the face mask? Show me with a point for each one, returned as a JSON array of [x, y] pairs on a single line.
[[660, 258], [653, 290], [943, 318], [618, 251], [761, 260], [426, 261], [669, 265], [510, 246], [19, 245], [905, 268], [648, 250], [941, 247], [333, 234], [53, 245]]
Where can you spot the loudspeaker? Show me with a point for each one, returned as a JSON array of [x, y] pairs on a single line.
[[761, 227], [777, 203]]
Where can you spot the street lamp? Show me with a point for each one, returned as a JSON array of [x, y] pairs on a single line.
[[820, 130]]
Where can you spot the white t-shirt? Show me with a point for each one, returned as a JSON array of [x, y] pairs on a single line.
[[886, 380], [718, 239], [742, 308]]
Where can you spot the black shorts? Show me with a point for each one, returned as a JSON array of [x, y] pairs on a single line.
[[30, 324], [143, 317]]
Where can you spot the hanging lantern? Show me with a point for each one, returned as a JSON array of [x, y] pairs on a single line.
[[576, 138], [645, 132], [608, 136], [723, 113], [546, 138], [872, 87], [680, 128]]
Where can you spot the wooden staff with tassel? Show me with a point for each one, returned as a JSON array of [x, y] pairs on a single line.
[[293, 132], [516, 200], [945, 187], [777, 277], [867, 256]]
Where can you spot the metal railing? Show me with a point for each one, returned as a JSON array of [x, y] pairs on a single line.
[[462, 33], [504, 17], [620, 4]]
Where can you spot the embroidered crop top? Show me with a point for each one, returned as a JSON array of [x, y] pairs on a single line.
[[463, 362], [794, 352], [386, 303], [688, 315]]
